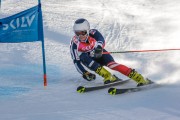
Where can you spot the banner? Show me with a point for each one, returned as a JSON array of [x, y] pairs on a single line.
[[26, 26], [21, 27]]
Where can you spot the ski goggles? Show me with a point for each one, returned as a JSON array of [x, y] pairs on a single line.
[[83, 33]]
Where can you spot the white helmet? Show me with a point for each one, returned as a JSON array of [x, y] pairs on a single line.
[[81, 25]]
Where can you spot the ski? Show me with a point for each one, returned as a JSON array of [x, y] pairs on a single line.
[[115, 91], [83, 89]]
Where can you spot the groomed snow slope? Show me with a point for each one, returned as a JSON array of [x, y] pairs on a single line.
[[126, 25]]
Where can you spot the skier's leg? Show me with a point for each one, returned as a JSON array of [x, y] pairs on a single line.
[[131, 73], [95, 66]]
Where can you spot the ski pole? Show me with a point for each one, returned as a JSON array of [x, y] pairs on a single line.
[[132, 51]]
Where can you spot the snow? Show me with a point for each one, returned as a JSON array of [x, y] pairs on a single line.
[[126, 25]]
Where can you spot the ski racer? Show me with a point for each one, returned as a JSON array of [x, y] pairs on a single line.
[[87, 47]]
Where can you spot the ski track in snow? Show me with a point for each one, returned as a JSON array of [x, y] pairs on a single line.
[[126, 25]]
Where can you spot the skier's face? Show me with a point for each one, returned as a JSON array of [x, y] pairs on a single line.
[[82, 35]]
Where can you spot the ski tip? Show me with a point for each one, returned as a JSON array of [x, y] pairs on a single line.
[[81, 89], [112, 91]]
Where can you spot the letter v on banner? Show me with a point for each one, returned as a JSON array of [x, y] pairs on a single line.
[[26, 26]]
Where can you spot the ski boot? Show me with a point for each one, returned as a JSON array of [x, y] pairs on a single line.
[[139, 78], [108, 77]]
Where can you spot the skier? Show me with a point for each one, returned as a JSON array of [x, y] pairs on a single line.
[[87, 47]]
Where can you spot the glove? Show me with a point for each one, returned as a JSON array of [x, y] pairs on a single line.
[[98, 52], [89, 76]]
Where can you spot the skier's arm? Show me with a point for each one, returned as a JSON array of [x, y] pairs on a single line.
[[98, 36], [98, 49], [76, 59], [79, 67]]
